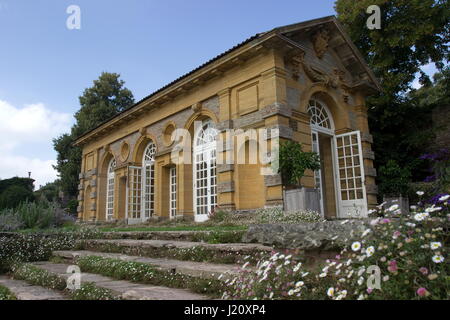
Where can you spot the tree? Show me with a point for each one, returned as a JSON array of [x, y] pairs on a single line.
[[413, 33], [105, 99]]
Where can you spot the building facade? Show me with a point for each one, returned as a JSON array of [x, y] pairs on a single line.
[[304, 82]]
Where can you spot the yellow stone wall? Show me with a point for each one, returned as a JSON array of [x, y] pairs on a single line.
[[252, 93]]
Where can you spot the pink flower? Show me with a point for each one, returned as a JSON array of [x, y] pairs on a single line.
[[424, 271], [369, 291], [338, 257], [393, 266], [385, 221], [422, 292], [397, 234]]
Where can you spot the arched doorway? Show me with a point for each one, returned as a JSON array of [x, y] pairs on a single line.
[[322, 136], [110, 184], [148, 181], [141, 187], [341, 178], [204, 170]]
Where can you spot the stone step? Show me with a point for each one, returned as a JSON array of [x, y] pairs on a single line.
[[124, 289], [193, 236], [194, 269], [236, 248], [25, 291]]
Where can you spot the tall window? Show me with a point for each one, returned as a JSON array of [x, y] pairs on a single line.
[[205, 180], [110, 190], [148, 179], [173, 192]]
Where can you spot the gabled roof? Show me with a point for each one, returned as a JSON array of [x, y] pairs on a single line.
[[251, 42]]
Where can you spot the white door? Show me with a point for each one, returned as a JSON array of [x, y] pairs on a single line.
[[318, 173], [204, 171], [134, 197], [350, 175]]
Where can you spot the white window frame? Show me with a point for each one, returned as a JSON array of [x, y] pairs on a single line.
[[134, 195], [110, 185], [173, 192], [148, 181], [205, 171]]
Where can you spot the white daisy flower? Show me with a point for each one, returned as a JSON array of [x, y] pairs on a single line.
[[420, 193], [330, 292], [356, 246], [444, 198], [435, 245], [370, 251], [438, 258]]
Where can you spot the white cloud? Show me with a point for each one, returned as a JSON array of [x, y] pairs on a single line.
[[29, 131]]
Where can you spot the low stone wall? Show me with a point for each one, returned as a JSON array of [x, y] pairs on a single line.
[[327, 235]]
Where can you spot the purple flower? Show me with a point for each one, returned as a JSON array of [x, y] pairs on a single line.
[[423, 271]]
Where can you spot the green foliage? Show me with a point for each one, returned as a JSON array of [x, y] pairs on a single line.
[[293, 162], [276, 215], [14, 191], [6, 294], [105, 99], [89, 291], [49, 192], [394, 179], [413, 33], [36, 215], [38, 277], [37, 246]]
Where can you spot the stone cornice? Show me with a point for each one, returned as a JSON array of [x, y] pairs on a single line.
[[192, 81]]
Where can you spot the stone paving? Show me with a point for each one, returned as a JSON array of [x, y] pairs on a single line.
[[25, 291], [243, 248], [125, 289]]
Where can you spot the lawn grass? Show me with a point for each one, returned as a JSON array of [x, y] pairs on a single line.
[[173, 228]]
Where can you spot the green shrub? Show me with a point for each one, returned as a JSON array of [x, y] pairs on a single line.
[[393, 179], [9, 221], [14, 195], [36, 214], [37, 246], [293, 162]]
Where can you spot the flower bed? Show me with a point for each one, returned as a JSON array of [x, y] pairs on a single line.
[[400, 256]]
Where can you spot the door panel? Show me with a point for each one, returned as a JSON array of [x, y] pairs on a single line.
[[350, 175], [134, 201]]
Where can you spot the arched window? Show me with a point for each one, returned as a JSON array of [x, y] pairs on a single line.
[[110, 190], [320, 116], [204, 170], [148, 180]]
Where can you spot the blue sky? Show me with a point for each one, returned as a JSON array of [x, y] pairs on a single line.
[[44, 66]]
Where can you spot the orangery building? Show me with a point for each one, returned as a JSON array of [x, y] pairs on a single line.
[[175, 153]]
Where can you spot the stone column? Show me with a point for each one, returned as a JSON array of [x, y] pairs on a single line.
[[225, 154], [276, 115], [370, 172]]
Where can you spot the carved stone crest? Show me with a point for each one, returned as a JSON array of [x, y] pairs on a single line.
[[196, 107], [320, 41]]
